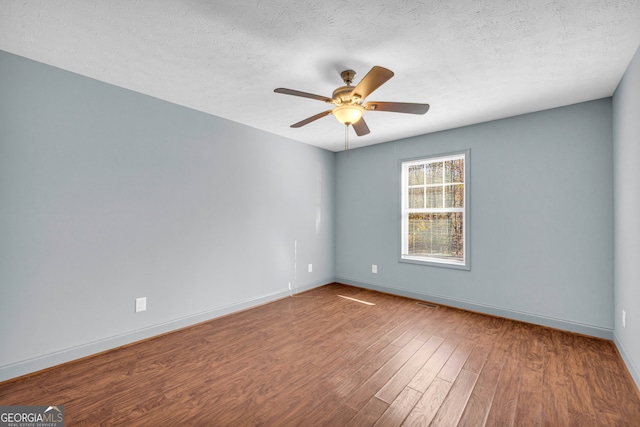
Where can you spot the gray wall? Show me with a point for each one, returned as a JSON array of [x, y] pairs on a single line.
[[626, 137], [541, 219], [107, 195]]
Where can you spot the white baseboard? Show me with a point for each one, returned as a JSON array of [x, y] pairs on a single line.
[[49, 360], [634, 370], [35, 364], [551, 322]]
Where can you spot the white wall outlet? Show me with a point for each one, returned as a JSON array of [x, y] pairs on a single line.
[[374, 268], [624, 319], [310, 268], [141, 304]]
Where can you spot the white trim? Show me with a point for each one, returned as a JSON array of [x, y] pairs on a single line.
[[633, 369], [522, 316], [415, 258], [405, 165], [38, 363]]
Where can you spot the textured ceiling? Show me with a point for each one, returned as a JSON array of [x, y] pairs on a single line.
[[472, 60]]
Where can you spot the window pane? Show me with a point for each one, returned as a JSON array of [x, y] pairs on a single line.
[[416, 175], [454, 170], [434, 197], [454, 196], [416, 198], [436, 235], [434, 173]]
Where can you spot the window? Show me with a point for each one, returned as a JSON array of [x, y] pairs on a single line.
[[434, 210]]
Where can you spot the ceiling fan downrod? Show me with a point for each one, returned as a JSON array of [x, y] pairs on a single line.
[[347, 76]]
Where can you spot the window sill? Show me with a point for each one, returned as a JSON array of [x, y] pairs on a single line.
[[435, 263]]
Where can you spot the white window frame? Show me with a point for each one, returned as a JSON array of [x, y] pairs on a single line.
[[405, 211]]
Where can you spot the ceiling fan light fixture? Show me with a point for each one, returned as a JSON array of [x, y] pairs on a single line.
[[348, 114]]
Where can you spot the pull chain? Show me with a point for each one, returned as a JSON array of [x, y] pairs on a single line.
[[346, 137]]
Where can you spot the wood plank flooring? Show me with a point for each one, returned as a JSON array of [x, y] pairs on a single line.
[[318, 359]]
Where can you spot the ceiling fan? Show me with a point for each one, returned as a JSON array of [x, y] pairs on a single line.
[[350, 103]]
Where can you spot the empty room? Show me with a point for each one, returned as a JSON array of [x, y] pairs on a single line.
[[218, 213]]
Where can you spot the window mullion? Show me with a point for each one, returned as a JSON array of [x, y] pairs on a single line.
[[424, 186], [442, 187]]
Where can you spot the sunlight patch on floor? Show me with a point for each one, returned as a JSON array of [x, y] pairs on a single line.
[[356, 300]]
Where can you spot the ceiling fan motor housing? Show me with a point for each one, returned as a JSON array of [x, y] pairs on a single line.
[[345, 95]]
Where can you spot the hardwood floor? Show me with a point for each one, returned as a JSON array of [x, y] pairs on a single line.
[[318, 359]]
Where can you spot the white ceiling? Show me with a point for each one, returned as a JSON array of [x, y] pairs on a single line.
[[472, 60]]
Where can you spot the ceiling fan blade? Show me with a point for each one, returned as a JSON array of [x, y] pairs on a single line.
[[303, 94], [372, 81], [361, 127], [397, 107], [311, 119]]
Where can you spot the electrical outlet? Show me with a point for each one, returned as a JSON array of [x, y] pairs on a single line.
[[374, 268], [624, 319], [310, 268], [141, 304]]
